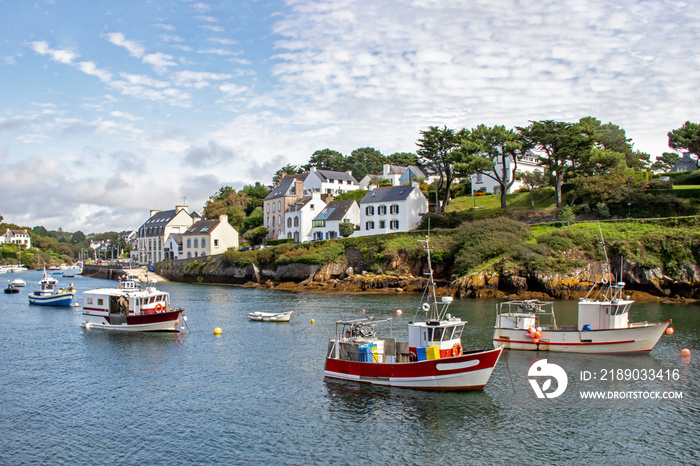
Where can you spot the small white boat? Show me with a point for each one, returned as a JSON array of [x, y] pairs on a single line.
[[72, 271], [271, 316], [18, 282]]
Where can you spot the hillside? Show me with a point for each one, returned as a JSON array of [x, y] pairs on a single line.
[[489, 257]]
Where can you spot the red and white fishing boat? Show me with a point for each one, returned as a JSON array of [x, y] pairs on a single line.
[[130, 308], [603, 324], [431, 359]]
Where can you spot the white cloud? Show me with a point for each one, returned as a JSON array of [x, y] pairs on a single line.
[[159, 61], [134, 48]]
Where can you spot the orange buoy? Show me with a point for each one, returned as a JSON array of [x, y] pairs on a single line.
[[685, 352], [182, 328], [669, 331], [537, 334], [176, 323], [536, 341]]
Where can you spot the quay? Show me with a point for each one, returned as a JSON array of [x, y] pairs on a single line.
[[113, 271]]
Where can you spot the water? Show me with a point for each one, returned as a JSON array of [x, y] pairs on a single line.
[[256, 393]]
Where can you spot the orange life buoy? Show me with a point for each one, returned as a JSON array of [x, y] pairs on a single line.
[[457, 349], [159, 307]]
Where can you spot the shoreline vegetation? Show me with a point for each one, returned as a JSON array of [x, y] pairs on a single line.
[[491, 258]]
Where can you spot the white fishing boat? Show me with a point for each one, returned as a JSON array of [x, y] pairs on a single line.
[[18, 282], [431, 359], [271, 316], [72, 271], [603, 323], [131, 308]]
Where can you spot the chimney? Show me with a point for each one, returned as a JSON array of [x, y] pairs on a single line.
[[180, 208], [299, 188], [223, 218], [313, 169], [153, 212], [415, 184], [371, 187], [387, 169]]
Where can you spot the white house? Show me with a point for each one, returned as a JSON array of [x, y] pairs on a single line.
[[685, 164], [300, 214], [156, 230], [396, 174], [209, 237], [526, 164], [330, 182], [17, 237], [392, 209], [173, 247], [326, 225]]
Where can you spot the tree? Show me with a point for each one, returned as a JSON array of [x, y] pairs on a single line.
[[533, 180], [403, 159], [686, 137], [288, 169], [78, 237], [494, 152], [256, 193], [563, 145], [665, 162], [613, 138], [439, 149], [327, 159], [364, 161], [346, 229]]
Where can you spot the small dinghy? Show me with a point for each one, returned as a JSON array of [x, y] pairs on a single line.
[[271, 316]]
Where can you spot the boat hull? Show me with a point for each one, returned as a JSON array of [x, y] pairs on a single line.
[[270, 317], [59, 299], [637, 338], [160, 322], [471, 371]]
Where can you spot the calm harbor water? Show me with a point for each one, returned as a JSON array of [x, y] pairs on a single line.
[[256, 393]]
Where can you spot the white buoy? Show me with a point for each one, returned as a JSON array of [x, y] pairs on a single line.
[[184, 318]]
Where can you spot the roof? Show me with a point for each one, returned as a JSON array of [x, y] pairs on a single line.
[[202, 227], [392, 193], [286, 186], [416, 171], [335, 210], [177, 237], [332, 175], [687, 163]]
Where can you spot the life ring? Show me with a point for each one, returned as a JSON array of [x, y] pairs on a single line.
[[426, 307], [605, 281], [457, 349], [159, 307]]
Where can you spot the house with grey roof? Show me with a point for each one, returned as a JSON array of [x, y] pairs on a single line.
[[685, 164], [156, 230], [173, 247], [326, 225], [330, 182], [209, 237], [396, 174], [392, 209], [300, 214], [289, 191]]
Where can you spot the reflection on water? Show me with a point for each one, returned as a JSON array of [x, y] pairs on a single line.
[[256, 393]]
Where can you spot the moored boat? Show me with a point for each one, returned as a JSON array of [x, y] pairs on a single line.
[[431, 359], [271, 316], [11, 289], [50, 295], [18, 282], [131, 308], [603, 324]]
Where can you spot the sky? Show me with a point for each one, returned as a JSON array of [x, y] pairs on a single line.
[[111, 109]]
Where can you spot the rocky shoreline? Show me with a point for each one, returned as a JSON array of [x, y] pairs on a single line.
[[642, 285]]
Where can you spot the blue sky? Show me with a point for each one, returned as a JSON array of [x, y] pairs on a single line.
[[110, 109]]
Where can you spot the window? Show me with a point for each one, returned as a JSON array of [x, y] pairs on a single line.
[[394, 209], [369, 226], [100, 302], [268, 207], [268, 222], [394, 225], [273, 221], [296, 221], [382, 224], [273, 206], [279, 220], [189, 254], [204, 242], [381, 210], [189, 243], [289, 222], [279, 206], [369, 210], [216, 243], [196, 242]]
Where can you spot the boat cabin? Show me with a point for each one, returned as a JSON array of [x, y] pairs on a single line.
[[525, 314], [441, 334]]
